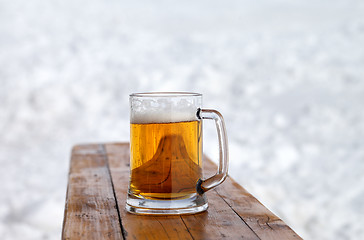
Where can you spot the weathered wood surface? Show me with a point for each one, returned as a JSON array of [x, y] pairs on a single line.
[[96, 197], [91, 210]]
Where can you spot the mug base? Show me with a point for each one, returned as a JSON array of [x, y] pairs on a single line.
[[142, 206]]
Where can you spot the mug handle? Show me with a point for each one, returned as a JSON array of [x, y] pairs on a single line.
[[211, 182]]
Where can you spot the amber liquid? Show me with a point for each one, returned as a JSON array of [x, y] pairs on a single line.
[[165, 159]]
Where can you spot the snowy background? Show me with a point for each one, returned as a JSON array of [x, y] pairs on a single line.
[[288, 76]]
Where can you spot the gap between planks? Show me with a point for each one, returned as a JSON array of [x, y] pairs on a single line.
[[102, 146]]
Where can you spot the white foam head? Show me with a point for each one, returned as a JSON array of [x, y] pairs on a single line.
[[164, 109]]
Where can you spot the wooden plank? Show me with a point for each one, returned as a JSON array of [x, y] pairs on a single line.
[[218, 222], [90, 211], [262, 221], [95, 205]]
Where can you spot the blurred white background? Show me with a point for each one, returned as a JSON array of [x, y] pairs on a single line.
[[288, 76]]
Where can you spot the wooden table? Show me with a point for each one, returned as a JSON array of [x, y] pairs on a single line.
[[96, 195]]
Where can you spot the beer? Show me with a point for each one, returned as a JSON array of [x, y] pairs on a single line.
[[166, 159]]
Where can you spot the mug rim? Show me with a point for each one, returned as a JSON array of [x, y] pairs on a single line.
[[166, 94]]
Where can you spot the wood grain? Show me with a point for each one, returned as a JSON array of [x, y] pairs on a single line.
[[90, 211], [263, 222], [95, 207], [219, 222]]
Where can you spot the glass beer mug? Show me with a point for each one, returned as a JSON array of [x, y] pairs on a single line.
[[166, 153]]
